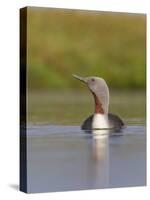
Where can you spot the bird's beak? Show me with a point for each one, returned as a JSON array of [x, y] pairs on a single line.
[[84, 80]]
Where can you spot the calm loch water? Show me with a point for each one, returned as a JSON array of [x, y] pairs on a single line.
[[62, 157]]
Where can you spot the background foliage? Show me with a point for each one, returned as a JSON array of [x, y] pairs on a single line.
[[106, 44]]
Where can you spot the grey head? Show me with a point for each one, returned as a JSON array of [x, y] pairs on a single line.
[[100, 91]]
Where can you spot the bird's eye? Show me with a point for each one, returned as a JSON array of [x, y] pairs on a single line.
[[92, 79]]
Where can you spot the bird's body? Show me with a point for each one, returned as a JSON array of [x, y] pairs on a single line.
[[114, 122], [101, 119]]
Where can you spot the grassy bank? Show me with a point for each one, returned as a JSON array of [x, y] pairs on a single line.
[[85, 43]]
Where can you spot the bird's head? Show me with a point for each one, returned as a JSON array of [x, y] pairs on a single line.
[[100, 91]]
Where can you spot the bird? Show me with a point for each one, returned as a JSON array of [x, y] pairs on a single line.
[[101, 119]]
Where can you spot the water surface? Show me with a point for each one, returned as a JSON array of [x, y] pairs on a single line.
[[64, 158]]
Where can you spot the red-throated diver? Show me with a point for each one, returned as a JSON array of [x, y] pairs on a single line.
[[101, 119]]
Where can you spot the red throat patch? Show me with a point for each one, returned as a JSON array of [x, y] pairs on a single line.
[[98, 105]]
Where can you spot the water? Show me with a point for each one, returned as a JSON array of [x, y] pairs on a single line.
[[63, 157]]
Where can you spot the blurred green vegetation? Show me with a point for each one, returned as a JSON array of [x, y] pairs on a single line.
[[105, 44]]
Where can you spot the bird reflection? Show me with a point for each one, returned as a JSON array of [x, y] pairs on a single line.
[[100, 156], [100, 144]]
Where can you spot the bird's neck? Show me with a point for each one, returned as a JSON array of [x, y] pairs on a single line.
[[98, 105], [100, 118]]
